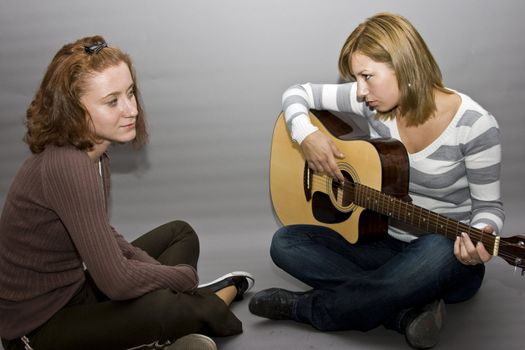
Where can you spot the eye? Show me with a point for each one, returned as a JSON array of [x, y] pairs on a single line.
[[367, 76], [131, 93], [112, 102]]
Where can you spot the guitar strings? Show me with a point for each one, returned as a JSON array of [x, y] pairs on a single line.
[[435, 219], [473, 232]]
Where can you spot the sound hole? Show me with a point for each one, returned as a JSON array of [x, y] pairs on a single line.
[[323, 208], [325, 211]]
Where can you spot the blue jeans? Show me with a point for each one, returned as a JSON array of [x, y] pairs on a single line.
[[361, 286]]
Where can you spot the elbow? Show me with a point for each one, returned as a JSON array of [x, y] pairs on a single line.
[[119, 293]]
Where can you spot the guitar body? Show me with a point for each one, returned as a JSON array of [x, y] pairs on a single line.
[[300, 196]]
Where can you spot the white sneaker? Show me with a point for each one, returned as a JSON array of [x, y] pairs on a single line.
[[193, 342], [242, 280]]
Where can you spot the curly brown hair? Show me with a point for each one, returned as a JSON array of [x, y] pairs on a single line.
[[56, 116]]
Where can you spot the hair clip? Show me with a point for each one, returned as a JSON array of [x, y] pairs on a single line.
[[95, 48]]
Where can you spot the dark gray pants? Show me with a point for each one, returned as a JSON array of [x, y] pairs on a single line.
[[92, 321]]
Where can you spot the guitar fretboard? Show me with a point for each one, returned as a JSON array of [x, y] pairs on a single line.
[[417, 216]]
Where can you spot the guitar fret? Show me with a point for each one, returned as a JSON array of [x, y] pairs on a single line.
[[446, 226], [391, 201], [436, 224], [409, 213]]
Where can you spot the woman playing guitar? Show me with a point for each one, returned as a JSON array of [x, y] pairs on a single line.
[[402, 280]]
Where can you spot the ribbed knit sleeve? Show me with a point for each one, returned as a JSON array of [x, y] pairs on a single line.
[[74, 188]]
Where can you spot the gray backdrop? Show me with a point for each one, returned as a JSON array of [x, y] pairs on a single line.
[[212, 74]]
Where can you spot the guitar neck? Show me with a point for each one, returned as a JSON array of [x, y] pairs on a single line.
[[419, 217]]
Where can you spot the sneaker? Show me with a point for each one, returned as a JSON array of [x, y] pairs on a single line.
[[423, 331], [274, 303], [242, 280], [193, 342]]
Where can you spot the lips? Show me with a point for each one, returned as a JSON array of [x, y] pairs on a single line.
[[372, 104], [130, 125]]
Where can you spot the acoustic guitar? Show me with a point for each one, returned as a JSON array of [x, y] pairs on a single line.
[[375, 189]]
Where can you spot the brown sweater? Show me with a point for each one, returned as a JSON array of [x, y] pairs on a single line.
[[54, 220]]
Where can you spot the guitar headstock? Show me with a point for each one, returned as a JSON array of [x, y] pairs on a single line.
[[512, 250]]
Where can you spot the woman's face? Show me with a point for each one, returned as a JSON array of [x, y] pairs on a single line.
[[376, 83], [109, 98]]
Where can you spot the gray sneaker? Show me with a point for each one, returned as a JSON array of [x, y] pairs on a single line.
[[193, 342], [424, 330]]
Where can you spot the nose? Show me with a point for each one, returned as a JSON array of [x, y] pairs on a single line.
[[362, 90], [130, 107]]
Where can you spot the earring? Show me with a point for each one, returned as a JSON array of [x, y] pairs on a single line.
[[409, 85]]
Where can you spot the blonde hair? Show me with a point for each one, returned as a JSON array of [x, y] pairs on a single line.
[[392, 39]]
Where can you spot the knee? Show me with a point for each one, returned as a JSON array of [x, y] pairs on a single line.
[[182, 227], [279, 238], [280, 243], [181, 230], [288, 244]]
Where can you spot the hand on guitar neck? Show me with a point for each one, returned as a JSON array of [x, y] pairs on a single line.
[[468, 253], [320, 153]]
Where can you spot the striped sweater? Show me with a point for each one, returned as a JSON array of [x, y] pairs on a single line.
[[53, 223], [457, 175]]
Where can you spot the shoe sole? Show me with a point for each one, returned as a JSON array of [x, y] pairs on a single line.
[[193, 342], [249, 278]]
